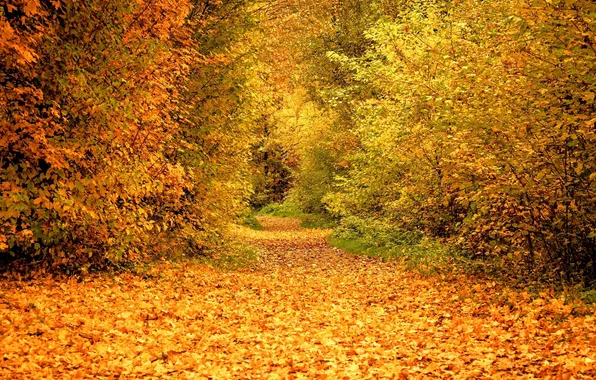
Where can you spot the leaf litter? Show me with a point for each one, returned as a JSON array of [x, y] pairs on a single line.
[[305, 310]]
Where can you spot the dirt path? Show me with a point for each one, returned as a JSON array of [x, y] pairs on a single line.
[[306, 311]]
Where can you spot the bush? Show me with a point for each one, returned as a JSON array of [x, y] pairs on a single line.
[[104, 158]]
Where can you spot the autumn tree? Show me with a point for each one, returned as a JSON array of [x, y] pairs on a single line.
[[474, 123]]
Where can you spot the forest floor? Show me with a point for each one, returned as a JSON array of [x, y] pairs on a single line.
[[303, 310]]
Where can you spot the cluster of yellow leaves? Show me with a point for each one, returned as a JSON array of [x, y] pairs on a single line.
[[474, 123], [306, 311]]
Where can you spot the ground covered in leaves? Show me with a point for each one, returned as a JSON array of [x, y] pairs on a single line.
[[304, 310]]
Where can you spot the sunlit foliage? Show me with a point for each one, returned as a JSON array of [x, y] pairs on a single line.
[[475, 123]]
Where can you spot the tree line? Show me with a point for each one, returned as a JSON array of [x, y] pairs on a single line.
[[132, 129]]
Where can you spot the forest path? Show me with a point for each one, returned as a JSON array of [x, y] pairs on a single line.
[[306, 310]]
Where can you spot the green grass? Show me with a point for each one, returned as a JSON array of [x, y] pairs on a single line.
[[317, 221], [380, 238], [289, 210], [359, 247], [428, 257], [283, 210]]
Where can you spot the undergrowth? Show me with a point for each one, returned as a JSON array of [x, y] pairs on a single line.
[[375, 238], [250, 221], [428, 257], [290, 210]]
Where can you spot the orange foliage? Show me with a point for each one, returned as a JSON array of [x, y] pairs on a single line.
[[93, 109]]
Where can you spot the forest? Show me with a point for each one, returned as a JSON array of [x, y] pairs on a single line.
[[393, 146]]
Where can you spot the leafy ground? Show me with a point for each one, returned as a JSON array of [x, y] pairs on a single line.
[[303, 310]]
